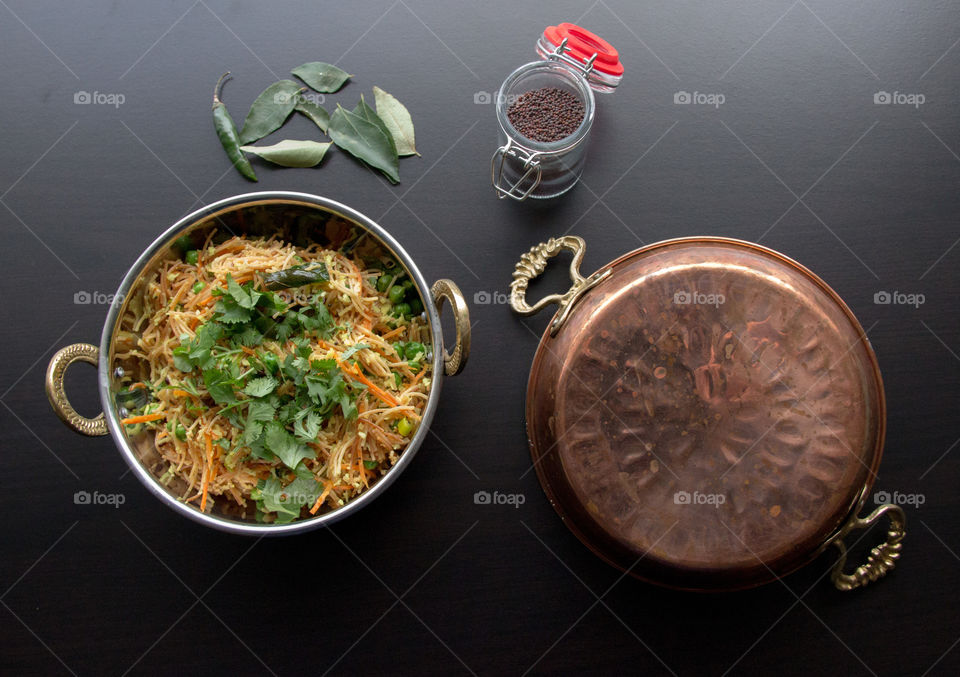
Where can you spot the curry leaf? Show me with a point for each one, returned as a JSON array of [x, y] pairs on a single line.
[[370, 115], [322, 77], [397, 119], [297, 276], [315, 112], [270, 110], [365, 141], [291, 153]]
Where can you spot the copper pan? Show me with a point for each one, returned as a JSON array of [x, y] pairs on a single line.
[[706, 414]]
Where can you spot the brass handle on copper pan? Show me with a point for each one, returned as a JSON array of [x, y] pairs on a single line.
[[56, 370], [881, 559], [534, 262]]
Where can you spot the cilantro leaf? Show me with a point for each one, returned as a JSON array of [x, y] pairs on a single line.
[[244, 296], [286, 447], [308, 427], [219, 385], [287, 501], [231, 312], [260, 387], [181, 359], [352, 350]]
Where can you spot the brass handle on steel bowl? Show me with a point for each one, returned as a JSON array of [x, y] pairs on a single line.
[[446, 290], [63, 358], [534, 262], [881, 559]]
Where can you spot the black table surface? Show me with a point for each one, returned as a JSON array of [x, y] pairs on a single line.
[[802, 155]]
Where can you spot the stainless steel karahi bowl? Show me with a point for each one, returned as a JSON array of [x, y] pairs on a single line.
[[706, 414], [304, 217]]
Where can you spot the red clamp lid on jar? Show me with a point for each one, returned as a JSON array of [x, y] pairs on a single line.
[[595, 57]]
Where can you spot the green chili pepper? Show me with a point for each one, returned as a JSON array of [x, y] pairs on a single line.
[[227, 131]]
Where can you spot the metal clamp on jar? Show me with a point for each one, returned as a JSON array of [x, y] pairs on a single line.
[[575, 63]]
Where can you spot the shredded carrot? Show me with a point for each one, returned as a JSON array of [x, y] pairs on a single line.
[[322, 497], [180, 393], [248, 351], [394, 332], [139, 384], [382, 394], [145, 418], [416, 380], [208, 471]]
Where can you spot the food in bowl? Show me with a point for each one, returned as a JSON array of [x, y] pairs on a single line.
[[279, 381]]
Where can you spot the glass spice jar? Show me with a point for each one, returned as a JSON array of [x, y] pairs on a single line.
[[575, 63]]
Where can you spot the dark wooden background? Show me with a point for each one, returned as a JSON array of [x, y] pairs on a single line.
[[798, 157]]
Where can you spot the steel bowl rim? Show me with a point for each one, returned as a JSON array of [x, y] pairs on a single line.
[[164, 240]]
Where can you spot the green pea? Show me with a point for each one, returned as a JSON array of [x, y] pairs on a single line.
[[401, 310], [192, 257], [396, 295], [270, 362], [404, 427], [412, 349], [181, 433], [184, 243], [383, 282], [407, 284], [198, 287], [416, 306]]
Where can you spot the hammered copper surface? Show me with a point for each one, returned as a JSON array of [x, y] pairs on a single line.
[[711, 409]]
